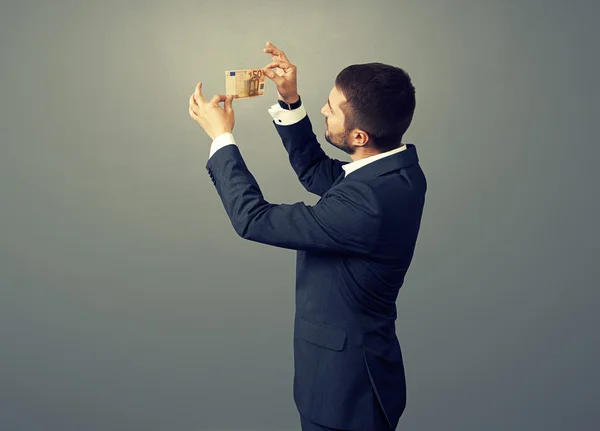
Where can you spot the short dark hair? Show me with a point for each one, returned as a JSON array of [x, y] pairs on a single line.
[[380, 99]]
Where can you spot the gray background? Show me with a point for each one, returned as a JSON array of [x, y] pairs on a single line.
[[128, 302]]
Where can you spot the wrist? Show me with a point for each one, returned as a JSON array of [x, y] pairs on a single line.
[[216, 135], [293, 100], [290, 103], [290, 100]]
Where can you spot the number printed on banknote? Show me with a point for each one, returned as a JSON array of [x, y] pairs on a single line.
[[245, 83]]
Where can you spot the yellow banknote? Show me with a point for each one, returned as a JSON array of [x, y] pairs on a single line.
[[245, 83]]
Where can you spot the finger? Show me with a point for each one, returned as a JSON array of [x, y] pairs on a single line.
[[193, 114], [198, 93], [277, 56], [194, 107], [278, 64], [228, 103], [217, 98], [270, 47], [273, 50], [272, 75]]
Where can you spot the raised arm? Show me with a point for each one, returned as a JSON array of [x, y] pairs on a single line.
[[316, 171]]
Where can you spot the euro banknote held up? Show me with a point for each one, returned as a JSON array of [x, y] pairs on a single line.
[[245, 83]]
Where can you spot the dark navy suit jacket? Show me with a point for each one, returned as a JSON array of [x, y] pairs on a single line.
[[354, 248]]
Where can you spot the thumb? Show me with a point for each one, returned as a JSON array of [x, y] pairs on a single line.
[[272, 75], [228, 103]]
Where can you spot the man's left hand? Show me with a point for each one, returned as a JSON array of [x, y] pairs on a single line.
[[214, 120]]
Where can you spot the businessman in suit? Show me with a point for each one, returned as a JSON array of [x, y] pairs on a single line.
[[354, 246]]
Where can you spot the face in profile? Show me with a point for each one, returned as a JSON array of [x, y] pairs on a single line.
[[335, 133]]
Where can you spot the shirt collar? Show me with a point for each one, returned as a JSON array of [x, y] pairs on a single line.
[[351, 167]]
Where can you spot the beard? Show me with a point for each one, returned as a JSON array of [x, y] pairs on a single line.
[[340, 140]]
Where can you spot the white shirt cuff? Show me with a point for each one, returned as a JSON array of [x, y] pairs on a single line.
[[284, 117], [221, 141]]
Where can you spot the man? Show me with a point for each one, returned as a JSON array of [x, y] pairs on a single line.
[[354, 246]]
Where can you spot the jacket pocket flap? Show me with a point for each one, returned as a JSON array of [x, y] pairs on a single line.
[[320, 334]]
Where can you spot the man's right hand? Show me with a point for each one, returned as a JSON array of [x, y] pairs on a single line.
[[287, 86]]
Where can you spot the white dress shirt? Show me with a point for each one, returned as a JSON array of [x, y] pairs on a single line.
[[285, 117]]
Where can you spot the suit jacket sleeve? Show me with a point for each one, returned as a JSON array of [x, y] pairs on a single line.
[[346, 221], [315, 170]]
